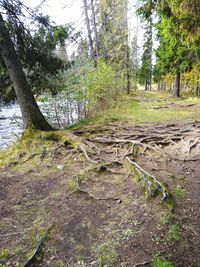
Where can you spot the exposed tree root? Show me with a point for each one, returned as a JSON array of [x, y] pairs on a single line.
[[36, 251], [153, 184], [84, 151], [145, 263]]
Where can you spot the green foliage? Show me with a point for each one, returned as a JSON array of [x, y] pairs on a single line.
[[101, 87], [178, 30], [35, 46], [158, 261]]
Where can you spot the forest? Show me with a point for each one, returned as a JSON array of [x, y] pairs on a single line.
[[99, 133]]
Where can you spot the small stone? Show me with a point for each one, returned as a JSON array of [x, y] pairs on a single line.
[[119, 201], [60, 167]]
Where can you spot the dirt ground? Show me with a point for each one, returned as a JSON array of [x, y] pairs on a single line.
[[86, 206]]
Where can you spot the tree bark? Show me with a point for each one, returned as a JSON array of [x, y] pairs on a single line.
[[91, 46], [31, 114], [97, 50], [176, 91]]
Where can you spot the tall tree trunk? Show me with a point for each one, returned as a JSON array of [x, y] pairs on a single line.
[[127, 50], [127, 69], [32, 117], [91, 46], [176, 91], [95, 29], [136, 54], [150, 51]]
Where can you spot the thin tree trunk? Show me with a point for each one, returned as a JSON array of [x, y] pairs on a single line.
[[91, 46], [136, 55], [146, 85], [32, 117], [159, 85], [197, 89], [176, 91], [95, 29], [127, 50], [127, 70]]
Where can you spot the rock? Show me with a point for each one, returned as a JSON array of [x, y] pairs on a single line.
[[60, 167]]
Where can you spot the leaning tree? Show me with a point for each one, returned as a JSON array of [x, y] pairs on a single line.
[[19, 51]]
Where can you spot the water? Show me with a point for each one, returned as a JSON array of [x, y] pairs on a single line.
[[10, 124], [58, 111]]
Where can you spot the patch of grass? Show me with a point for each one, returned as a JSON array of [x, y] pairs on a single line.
[[179, 192], [106, 253], [59, 263], [142, 109], [165, 218], [174, 233], [18, 250], [56, 195], [128, 233], [72, 186], [158, 261], [4, 253]]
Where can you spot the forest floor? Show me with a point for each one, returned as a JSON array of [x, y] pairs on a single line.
[[118, 190]]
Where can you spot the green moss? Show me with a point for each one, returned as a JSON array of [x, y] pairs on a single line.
[[158, 261], [35, 147]]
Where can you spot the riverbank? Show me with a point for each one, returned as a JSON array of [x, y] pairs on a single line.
[[87, 197]]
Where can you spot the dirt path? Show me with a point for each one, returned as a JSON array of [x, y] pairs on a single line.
[[100, 209]]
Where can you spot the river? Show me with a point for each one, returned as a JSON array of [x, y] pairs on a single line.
[[59, 114], [10, 124]]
